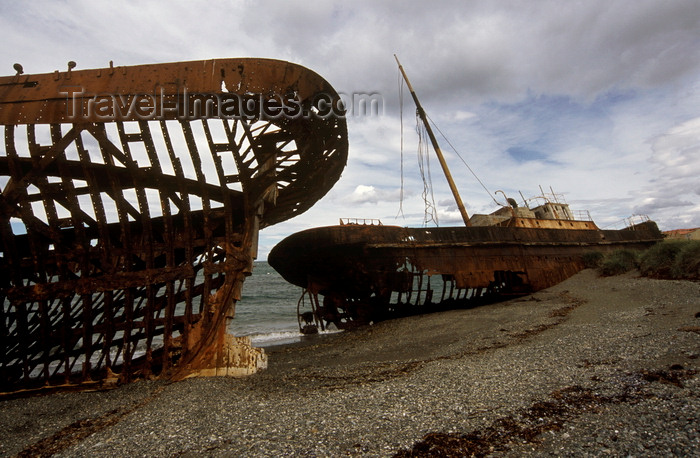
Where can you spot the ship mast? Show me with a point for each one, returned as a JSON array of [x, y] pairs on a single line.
[[438, 152]]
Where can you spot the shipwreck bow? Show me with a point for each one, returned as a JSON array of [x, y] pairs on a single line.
[[131, 203]]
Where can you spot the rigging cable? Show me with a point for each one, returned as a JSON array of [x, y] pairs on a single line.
[[463, 161], [424, 166], [423, 158]]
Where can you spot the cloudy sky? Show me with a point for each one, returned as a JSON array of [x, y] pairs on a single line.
[[599, 100]]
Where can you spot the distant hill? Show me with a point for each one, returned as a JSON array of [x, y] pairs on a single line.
[[684, 234]]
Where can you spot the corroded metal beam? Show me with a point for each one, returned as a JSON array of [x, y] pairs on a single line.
[[131, 202], [366, 273]]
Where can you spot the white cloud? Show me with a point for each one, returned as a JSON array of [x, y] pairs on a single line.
[[601, 98], [461, 115], [674, 190], [371, 195]]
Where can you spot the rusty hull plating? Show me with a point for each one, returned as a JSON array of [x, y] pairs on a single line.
[[370, 272], [131, 203]]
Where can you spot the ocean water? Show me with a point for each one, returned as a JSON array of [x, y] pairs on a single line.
[[267, 311]]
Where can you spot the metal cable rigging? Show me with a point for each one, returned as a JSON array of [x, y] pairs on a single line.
[[424, 163], [430, 209], [424, 168], [463, 161]]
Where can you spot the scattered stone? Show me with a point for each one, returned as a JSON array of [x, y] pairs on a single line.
[[595, 366]]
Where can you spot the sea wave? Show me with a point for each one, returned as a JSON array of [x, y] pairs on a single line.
[[283, 337], [275, 338]]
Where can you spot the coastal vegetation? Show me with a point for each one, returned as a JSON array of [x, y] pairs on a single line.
[[670, 259]]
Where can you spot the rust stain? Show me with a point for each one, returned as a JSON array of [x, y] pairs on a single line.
[[131, 203], [354, 274]]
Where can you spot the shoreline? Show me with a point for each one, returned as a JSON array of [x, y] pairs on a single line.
[[593, 365]]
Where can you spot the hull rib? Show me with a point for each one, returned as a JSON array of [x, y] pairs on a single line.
[[130, 208]]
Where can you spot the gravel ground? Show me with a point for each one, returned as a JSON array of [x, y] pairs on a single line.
[[592, 366]]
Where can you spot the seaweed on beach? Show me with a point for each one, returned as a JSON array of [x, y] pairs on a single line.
[[77, 431], [528, 425]]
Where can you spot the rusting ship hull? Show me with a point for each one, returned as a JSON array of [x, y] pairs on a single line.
[[131, 203], [365, 273], [356, 274]]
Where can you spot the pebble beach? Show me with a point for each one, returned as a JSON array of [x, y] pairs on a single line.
[[593, 366]]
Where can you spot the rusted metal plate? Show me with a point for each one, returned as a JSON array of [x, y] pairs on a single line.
[[367, 273], [156, 91], [126, 233]]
